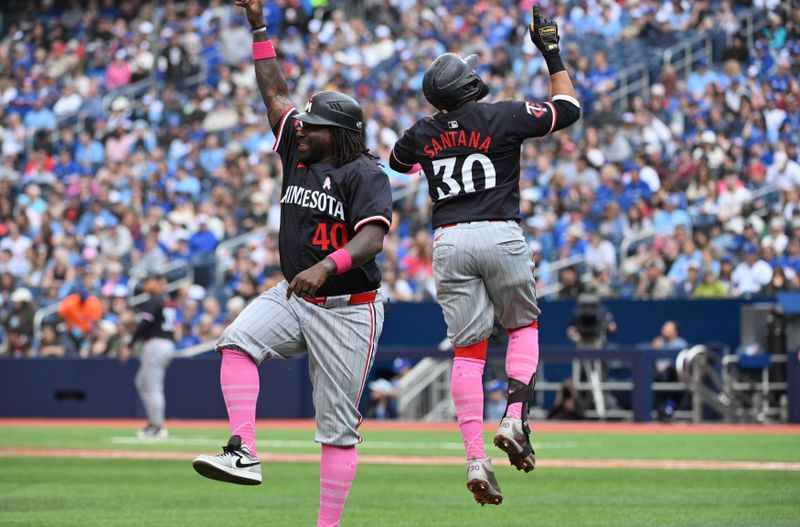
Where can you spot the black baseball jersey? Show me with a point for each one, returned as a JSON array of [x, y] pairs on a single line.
[[156, 319], [470, 156], [323, 207]]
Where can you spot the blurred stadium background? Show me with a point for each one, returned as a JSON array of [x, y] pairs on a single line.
[[665, 227]]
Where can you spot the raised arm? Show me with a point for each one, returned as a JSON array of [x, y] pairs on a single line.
[[544, 34], [271, 83]]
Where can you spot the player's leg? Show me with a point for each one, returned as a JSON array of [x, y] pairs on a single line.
[[508, 267], [156, 357], [341, 347], [469, 316], [268, 327]]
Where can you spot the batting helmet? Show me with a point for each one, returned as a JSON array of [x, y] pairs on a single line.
[[330, 108], [450, 81]]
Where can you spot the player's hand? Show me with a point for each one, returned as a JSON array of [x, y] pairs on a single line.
[[544, 33], [254, 12], [306, 283]]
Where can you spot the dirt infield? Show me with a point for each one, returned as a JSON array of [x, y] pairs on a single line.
[[547, 427], [373, 459]]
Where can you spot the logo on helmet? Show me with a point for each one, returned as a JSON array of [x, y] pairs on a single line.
[[308, 105]]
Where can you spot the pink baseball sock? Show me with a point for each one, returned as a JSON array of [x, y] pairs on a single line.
[[522, 358], [466, 386], [337, 469], [238, 377]]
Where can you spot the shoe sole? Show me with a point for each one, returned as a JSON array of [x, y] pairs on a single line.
[[211, 471], [514, 452], [480, 490]]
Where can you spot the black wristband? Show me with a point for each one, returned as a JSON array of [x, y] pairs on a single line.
[[554, 63]]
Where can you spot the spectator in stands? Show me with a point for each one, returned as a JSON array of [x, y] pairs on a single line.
[[495, 406], [50, 344], [686, 287], [752, 274], [700, 78], [382, 402], [711, 286], [202, 245], [653, 285], [669, 338], [776, 238], [600, 254], [17, 322], [567, 405], [80, 311], [571, 285], [781, 282]]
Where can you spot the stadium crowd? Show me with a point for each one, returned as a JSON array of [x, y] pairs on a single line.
[[132, 136]]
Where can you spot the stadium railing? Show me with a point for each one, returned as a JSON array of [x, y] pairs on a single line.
[[632, 80], [43, 313], [223, 255]]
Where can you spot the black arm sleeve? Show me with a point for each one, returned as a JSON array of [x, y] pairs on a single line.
[[567, 112]]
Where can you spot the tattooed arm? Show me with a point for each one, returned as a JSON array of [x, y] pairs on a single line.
[[271, 83]]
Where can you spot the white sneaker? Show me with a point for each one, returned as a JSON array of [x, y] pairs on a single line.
[[235, 465], [152, 433], [482, 483]]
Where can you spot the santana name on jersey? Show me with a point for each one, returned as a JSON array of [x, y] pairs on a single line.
[[314, 199], [455, 139]]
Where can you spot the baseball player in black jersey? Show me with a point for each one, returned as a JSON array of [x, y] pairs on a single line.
[[155, 324], [335, 210], [469, 152]]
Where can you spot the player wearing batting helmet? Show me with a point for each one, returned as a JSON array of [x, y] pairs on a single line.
[[336, 207], [469, 152]]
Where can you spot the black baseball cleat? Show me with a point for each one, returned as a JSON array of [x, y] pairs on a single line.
[[235, 465]]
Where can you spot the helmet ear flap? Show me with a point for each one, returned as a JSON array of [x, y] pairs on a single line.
[[483, 91]]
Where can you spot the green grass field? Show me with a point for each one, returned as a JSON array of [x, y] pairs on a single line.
[[41, 491]]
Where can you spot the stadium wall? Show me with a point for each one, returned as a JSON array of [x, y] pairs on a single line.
[[104, 388]]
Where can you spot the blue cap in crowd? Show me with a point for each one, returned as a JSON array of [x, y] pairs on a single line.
[[401, 363], [496, 385]]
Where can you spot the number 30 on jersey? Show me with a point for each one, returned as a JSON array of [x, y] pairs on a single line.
[[457, 175]]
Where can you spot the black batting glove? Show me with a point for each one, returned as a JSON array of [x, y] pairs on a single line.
[[544, 33]]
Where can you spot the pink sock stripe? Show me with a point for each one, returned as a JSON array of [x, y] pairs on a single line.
[[243, 407], [263, 50], [249, 396], [236, 395], [240, 387], [334, 494], [334, 482]]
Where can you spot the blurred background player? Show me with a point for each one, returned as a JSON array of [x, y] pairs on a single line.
[[155, 326], [470, 154], [336, 207]]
